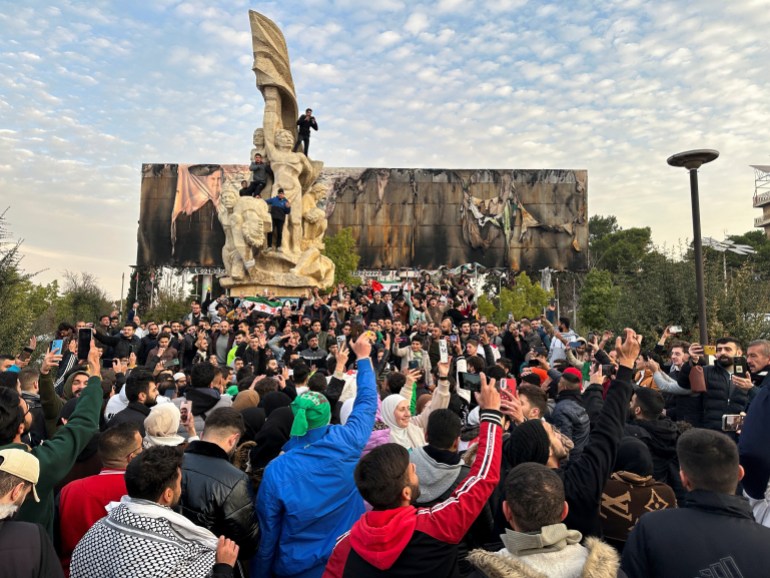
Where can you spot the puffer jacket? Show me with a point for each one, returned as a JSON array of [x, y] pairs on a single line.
[[571, 418], [721, 397], [219, 496]]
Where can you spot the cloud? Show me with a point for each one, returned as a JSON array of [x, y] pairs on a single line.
[[416, 23], [90, 91]]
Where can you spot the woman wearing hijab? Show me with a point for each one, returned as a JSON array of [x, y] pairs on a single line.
[[275, 400], [270, 441], [408, 430]]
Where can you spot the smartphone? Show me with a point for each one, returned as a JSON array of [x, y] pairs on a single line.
[[508, 384], [185, 411], [470, 381], [84, 343], [674, 329], [453, 338], [710, 350], [356, 328], [25, 354], [414, 364], [340, 341], [732, 422], [56, 346], [739, 367], [443, 351]]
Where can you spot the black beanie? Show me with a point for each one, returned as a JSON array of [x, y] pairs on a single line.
[[528, 443], [633, 456]]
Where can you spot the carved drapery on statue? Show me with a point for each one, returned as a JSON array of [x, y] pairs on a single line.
[[246, 221]]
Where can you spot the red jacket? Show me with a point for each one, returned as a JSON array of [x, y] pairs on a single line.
[[81, 505], [411, 541]]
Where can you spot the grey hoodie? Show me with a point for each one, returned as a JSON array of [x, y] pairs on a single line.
[[435, 477]]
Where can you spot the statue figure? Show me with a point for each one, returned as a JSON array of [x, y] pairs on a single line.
[[259, 144], [313, 217], [231, 223], [254, 216], [247, 220]]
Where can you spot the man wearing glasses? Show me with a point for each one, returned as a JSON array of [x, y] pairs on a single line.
[[82, 502]]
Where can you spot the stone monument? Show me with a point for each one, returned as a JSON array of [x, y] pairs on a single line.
[[299, 266]]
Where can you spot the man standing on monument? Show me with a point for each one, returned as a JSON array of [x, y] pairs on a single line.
[[280, 206], [305, 123], [259, 174]]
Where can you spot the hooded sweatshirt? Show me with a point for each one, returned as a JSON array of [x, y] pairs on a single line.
[[409, 541], [436, 477]]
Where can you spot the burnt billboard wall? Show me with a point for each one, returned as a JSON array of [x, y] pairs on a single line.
[[423, 218]]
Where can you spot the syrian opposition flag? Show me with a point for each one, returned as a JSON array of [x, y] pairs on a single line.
[[264, 305], [389, 286]]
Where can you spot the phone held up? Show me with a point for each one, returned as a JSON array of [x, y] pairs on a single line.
[[470, 381], [84, 342]]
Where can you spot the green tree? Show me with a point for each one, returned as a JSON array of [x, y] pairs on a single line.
[[82, 298], [622, 250], [341, 249], [598, 300], [486, 307], [26, 309], [170, 304], [524, 299]]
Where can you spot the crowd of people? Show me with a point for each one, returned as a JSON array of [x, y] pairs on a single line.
[[370, 432]]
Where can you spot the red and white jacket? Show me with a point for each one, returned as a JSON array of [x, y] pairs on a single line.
[[411, 541]]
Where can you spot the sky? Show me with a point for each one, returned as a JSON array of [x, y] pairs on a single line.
[[91, 90]]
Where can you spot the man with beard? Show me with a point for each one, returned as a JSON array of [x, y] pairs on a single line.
[[658, 433], [144, 535], [398, 539], [142, 394], [58, 454], [726, 393], [26, 548], [216, 494]]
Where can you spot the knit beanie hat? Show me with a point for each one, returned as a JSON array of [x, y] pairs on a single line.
[[541, 373], [311, 410], [163, 420], [528, 443], [573, 371], [633, 456]]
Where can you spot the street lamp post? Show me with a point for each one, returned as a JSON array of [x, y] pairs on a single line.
[[692, 160]]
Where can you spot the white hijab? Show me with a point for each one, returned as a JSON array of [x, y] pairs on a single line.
[[411, 436]]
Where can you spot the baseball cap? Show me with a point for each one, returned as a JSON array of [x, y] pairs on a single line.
[[22, 465]]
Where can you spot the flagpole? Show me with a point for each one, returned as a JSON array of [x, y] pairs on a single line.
[[122, 288]]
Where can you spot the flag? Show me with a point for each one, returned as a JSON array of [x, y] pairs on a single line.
[[264, 305], [389, 286]]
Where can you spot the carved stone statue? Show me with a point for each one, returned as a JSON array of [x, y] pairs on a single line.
[[314, 221], [246, 220]]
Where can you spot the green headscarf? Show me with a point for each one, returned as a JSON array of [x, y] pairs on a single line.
[[311, 410]]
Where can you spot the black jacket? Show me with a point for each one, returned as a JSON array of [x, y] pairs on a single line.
[[26, 550], [661, 435], [712, 535], [721, 397], [753, 446], [306, 124], [219, 496], [135, 412], [121, 347], [585, 477]]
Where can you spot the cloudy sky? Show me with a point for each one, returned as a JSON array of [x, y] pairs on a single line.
[[91, 90]]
